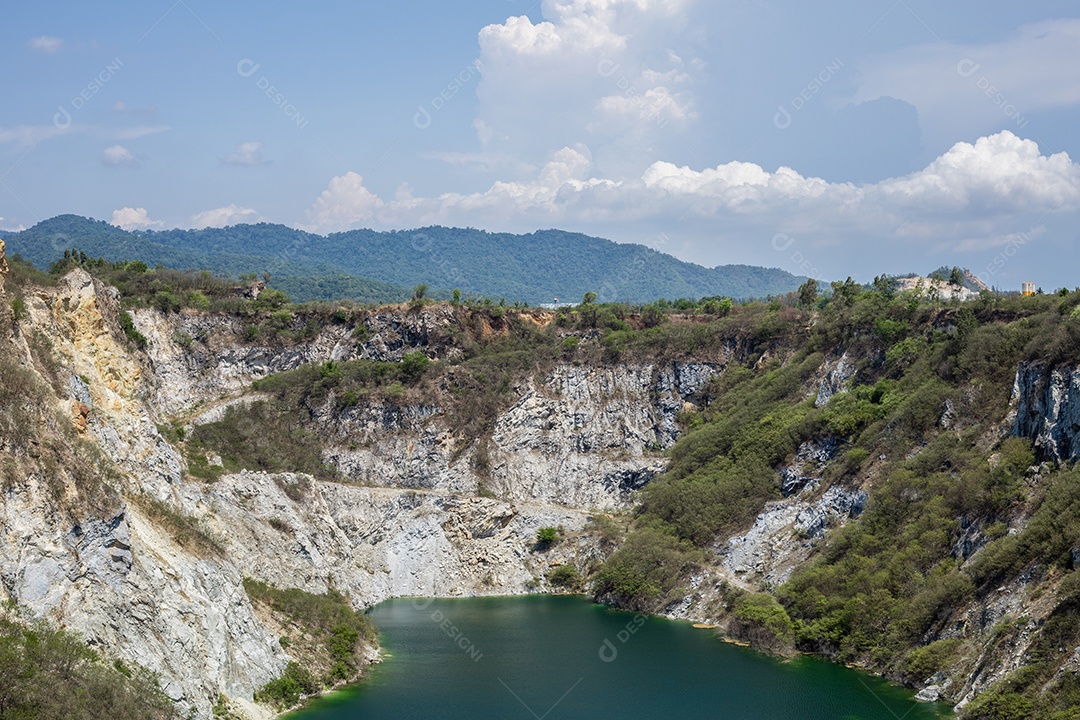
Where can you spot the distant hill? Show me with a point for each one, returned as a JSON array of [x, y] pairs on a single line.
[[374, 266]]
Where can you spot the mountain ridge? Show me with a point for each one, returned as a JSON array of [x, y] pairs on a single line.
[[380, 266]]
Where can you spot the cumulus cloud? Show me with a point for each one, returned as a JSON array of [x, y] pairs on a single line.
[[344, 204], [129, 218], [971, 199], [46, 44], [118, 155], [589, 72], [247, 154], [222, 216]]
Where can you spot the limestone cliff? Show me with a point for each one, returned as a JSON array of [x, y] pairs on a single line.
[[576, 440], [1046, 404]]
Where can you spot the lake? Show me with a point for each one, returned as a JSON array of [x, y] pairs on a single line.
[[553, 658]]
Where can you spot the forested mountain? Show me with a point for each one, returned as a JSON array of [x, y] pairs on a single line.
[[374, 266]]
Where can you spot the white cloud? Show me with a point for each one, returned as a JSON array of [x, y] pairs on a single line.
[[592, 71], [123, 108], [997, 172], [133, 133], [118, 155], [971, 199], [247, 154], [27, 135], [344, 204], [46, 44], [958, 88], [223, 216], [130, 218]]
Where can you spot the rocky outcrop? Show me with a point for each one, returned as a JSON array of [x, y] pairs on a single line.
[[199, 357], [837, 375], [130, 590], [1046, 404], [590, 437], [580, 437], [377, 543], [784, 535]]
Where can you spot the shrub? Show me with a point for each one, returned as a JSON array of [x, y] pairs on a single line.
[[413, 365], [565, 576], [127, 324], [332, 633], [646, 569], [923, 662], [546, 537], [760, 620], [285, 691], [52, 674]]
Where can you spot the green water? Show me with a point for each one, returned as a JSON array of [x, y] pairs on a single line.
[[552, 658]]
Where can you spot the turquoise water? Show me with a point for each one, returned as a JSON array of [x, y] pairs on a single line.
[[553, 658]]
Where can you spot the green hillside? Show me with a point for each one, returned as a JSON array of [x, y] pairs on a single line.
[[372, 266]]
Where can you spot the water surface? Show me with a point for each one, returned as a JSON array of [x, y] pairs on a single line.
[[555, 658]]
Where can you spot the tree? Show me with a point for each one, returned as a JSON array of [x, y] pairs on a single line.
[[956, 277], [808, 293], [419, 291], [589, 299], [846, 292], [456, 297], [885, 286], [717, 306]]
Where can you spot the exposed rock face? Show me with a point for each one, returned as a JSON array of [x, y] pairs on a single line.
[[1047, 403], [835, 380], [376, 543], [3, 259], [576, 440], [588, 437], [132, 591], [784, 535], [196, 358]]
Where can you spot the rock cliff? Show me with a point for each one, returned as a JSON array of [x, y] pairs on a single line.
[[576, 440], [1047, 409]]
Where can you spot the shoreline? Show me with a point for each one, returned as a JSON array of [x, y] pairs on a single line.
[[380, 653]]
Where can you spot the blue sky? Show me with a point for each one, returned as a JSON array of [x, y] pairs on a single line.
[[830, 139]]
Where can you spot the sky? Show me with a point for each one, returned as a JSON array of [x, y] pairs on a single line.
[[830, 139]]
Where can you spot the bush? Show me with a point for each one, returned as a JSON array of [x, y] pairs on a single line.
[[921, 663], [286, 691], [760, 620], [50, 674], [546, 537], [646, 569], [413, 365], [266, 435], [132, 334], [331, 637], [565, 576]]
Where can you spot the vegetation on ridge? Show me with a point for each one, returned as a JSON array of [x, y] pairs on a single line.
[[533, 268]]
